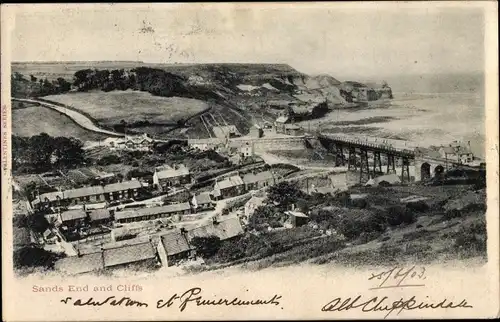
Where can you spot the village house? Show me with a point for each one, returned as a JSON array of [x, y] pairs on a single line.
[[457, 152], [202, 202], [172, 247], [295, 219], [139, 255], [226, 229], [122, 190], [131, 142], [99, 217], [49, 236], [150, 213], [292, 129], [229, 187], [73, 218], [205, 144], [90, 195], [80, 264], [226, 132], [247, 150], [281, 122], [166, 177], [258, 180], [251, 205], [84, 195], [256, 131]]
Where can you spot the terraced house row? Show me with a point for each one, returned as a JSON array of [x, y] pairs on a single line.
[[109, 192]]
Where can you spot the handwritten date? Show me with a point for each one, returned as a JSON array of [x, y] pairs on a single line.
[[399, 277]]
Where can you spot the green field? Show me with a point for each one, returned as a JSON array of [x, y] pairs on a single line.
[[110, 108], [33, 120]]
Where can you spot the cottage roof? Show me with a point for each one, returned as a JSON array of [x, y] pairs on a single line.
[[296, 214], [258, 177], [21, 236], [83, 192], [457, 150], [73, 215], [282, 119], [233, 181], [203, 198], [292, 126], [225, 229], [173, 173], [122, 186], [80, 264], [174, 242], [151, 211], [128, 254], [51, 196], [99, 214], [223, 131], [278, 102]]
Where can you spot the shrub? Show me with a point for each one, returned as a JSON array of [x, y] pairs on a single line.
[[206, 246], [417, 206], [109, 159], [397, 215]]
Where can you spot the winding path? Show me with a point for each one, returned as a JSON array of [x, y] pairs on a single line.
[[78, 118]]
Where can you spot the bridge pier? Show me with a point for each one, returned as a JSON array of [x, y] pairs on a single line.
[[364, 168], [391, 164], [340, 154], [405, 170], [377, 163], [352, 159]]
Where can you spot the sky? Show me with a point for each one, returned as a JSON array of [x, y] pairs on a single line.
[[337, 39]]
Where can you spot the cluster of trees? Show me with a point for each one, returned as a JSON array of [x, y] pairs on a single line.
[[23, 87], [30, 256], [152, 80], [43, 152]]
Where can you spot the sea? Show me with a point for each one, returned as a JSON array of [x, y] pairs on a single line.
[[427, 110]]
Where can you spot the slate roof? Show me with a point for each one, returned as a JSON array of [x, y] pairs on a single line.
[[83, 192], [99, 214], [51, 196], [233, 181], [296, 214], [282, 119], [173, 173], [174, 242], [258, 177], [128, 254], [151, 211], [203, 198], [225, 229], [73, 215], [80, 264], [122, 186]]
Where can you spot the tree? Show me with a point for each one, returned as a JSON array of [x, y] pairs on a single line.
[[69, 152], [206, 246], [40, 150], [285, 193]]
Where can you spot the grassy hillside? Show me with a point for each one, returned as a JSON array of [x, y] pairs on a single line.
[[110, 108]]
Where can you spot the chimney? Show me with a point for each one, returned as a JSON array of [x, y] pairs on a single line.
[[293, 207]]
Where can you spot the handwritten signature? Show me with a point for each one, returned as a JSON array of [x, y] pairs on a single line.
[[383, 304], [192, 295], [399, 277]]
